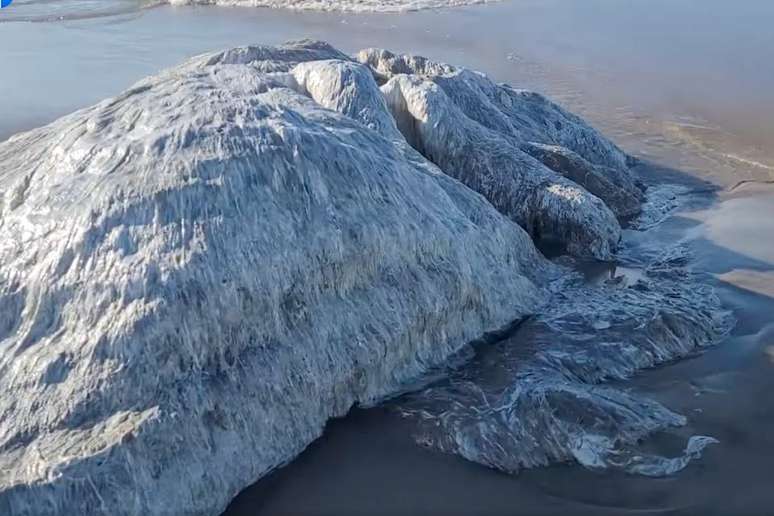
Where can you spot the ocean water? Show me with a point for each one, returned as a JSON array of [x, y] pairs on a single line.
[[60, 10], [687, 79], [687, 86]]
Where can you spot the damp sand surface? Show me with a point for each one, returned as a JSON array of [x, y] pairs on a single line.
[[368, 462]]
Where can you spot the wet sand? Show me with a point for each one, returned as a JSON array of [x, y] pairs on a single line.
[[367, 463], [686, 85]]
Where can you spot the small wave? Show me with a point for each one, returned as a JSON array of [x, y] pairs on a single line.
[[363, 6], [750, 162], [69, 10], [745, 182]]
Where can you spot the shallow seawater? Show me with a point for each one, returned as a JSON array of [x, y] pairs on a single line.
[[59, 10], [684, 84], [685, 80]]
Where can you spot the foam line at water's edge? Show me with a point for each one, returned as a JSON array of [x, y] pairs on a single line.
[[73, 10], [21, 12]]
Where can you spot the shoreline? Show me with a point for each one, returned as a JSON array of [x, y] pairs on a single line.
[[697, 135], [400, 7]]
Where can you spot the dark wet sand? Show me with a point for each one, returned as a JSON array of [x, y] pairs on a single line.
[[367, 463]]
